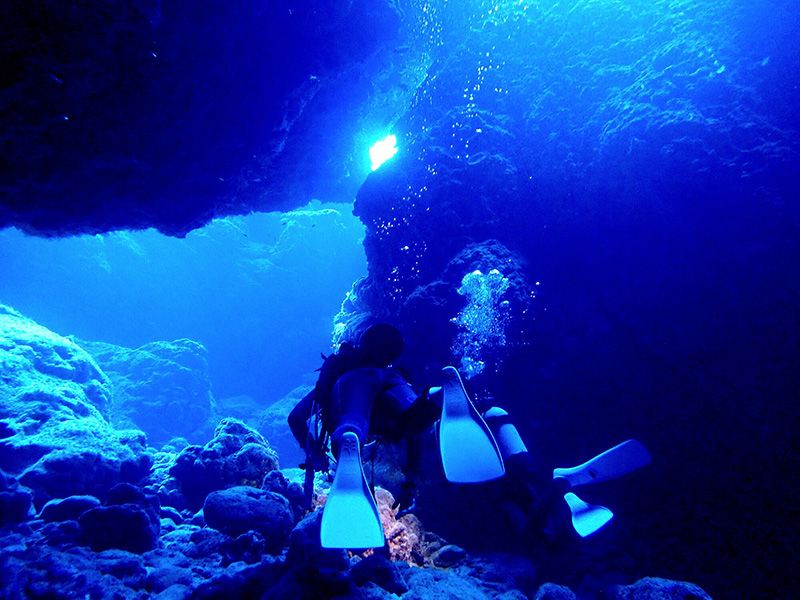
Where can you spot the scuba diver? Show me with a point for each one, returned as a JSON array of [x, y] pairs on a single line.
[[360, 393]]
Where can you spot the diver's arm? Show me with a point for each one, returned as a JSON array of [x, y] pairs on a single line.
[[298, 418], [422, 414]]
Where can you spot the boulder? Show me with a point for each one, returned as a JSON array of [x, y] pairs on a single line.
[[240, 509], [68, 509], [448, 555], [237, 455], [125, 527], [655, 588], [54, 435]]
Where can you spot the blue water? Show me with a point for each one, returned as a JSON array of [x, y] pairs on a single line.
[[238, 286]]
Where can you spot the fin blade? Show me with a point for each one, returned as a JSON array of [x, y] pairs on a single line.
[[624, 458], [350, 518], [587, 519], [468, 449]]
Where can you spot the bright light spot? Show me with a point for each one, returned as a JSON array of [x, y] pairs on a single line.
[[382, 151]]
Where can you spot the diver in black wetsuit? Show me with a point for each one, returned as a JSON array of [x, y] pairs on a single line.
[[359, 391]]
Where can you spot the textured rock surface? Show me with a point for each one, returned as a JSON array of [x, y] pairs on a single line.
[[655, 588], [237, 455], [129, 521], [240, 509], [55, 438], [161, 388]]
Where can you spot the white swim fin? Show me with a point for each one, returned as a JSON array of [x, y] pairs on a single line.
[[620, 460], [350, 518], [468, 449], [587, 518]]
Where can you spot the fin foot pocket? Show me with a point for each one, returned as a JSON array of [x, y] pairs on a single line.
[[587, 518]]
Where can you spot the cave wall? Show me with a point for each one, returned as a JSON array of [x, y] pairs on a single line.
[[124, 115]]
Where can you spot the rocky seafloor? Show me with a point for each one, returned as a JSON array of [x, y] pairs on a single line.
[[91, 510]]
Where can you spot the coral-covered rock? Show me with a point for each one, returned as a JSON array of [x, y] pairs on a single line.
[[247, 548], [167, 512], [161, 578], [237, 455], [204, 542], [162, 483], [655, 588], [276, 481], [511, 572], [404, 535], [129, 521], [125, 566], [162, 388], [239, 509], [55, 437], [442, 583], [61, 533]]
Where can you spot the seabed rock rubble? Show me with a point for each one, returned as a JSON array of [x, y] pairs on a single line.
[[90, 511]]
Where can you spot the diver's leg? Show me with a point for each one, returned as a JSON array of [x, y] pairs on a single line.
[[350, 518], [353, 397]]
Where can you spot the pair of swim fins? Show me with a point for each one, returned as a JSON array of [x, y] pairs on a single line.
[[620, 460], [469, 454]]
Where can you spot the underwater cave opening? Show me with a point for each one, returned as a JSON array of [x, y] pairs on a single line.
[[259, 292]]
